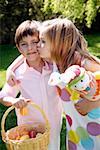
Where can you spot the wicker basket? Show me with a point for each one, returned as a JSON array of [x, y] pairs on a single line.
[[39, 143]]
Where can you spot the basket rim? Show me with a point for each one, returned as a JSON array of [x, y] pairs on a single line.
[[3, 132], [47, 133]]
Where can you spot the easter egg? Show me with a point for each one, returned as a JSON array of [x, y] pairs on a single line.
[[24, 111], [40, 128], [38, 134], [24, 137], [32, 134]]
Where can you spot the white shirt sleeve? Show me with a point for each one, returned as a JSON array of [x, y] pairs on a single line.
[[7, 90]]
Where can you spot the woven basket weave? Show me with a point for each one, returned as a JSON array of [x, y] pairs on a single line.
[[39, 143]]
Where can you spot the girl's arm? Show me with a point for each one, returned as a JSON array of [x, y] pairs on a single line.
[[85, 106], [10, 78], [90, 65]]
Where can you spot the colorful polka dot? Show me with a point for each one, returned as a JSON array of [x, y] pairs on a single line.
[[68, 118], [82, 133], [71, 145], [95, 113], [88, 144], [73, 136], [93, 128]]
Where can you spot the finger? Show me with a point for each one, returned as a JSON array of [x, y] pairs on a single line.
[[15, 81], [17, 105], [11, 82], [23, 103]]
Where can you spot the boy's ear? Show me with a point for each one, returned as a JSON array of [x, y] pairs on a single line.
[[18, 48]]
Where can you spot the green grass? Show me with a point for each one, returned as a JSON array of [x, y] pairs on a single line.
[[8, 53], [2, 77], [94, 44]]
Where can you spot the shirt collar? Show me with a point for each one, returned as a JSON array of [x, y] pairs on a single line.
[[48, 67]]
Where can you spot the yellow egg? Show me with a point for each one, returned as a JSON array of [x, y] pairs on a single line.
[[38, 134], [24, 137], [24, 111]]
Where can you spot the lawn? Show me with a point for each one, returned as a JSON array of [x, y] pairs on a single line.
[[8, 53]]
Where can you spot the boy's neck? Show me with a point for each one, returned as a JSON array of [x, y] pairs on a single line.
[[37, 65]]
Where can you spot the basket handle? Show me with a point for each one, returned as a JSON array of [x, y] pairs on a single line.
[[10, 109]]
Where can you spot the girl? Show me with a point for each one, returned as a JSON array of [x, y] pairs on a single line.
[[59, 42]]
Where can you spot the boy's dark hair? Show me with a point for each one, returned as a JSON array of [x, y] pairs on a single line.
[[26, 28]]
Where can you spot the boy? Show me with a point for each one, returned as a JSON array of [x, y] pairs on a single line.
[[33, 74]]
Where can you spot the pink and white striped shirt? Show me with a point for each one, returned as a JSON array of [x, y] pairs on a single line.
[[34, 85]]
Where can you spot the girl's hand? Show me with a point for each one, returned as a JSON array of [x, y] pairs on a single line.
[[84, 106]]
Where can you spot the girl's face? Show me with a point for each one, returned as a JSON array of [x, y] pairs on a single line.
[[44, 46]]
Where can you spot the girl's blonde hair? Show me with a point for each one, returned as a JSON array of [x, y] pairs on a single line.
[[65, 39]]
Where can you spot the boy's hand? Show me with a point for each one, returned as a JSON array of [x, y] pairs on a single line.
[[21, 103], [11, 79]]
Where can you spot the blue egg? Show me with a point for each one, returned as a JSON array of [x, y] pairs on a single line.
[[88, 144]]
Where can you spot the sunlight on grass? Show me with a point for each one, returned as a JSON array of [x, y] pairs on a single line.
[[97, 45], [2, 78]]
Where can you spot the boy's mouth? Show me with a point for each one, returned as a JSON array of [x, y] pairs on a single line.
[[32, 53]]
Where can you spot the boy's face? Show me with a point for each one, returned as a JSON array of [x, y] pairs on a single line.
[[28, 48]]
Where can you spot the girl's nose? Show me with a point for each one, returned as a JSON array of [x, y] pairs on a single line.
[[38, 44]]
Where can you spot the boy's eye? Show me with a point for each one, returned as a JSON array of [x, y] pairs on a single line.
[[23, 44]]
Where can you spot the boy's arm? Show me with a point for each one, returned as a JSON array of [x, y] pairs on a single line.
[[17, 102], [6, 93]]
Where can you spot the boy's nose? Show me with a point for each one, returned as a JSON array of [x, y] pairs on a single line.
[[30, 47]]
